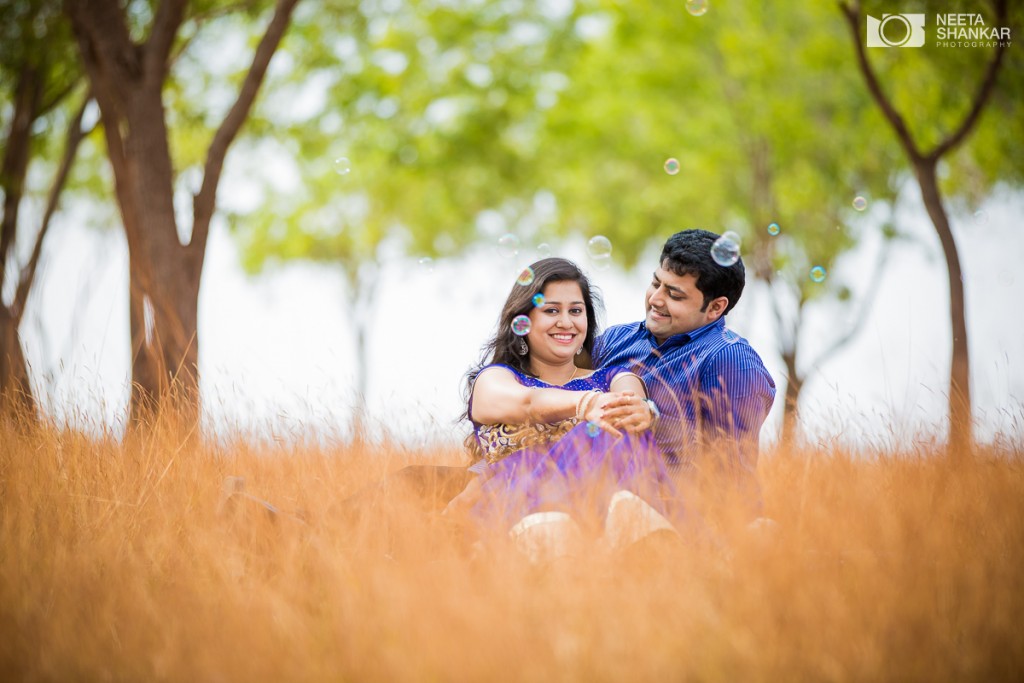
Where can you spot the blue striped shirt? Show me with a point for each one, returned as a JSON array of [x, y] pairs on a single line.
[[709, 384]]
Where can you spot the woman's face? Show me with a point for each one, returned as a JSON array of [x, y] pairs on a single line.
[[558, 328]]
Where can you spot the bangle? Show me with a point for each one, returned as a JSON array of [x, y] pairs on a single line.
[[584, 403], [579, 404]]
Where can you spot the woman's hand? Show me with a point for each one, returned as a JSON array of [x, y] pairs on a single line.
[[626, 411]]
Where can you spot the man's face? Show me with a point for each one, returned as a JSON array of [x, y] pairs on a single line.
[[674, 303]]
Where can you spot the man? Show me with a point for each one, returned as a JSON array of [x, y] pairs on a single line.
[[710, 390]]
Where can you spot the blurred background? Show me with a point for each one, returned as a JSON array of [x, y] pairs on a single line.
[[404, 161]]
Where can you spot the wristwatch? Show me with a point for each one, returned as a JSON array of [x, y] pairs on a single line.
[[655, 413]]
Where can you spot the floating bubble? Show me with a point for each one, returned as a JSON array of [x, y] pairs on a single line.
[[725, 251], [981, 217], [774, 229], [544, 250], [697, 8], [538, 300], [427, 264], [671, 166], [860, 203], [526, 277], [599, 246], [508, 245], [521, 325], [593, 429], [342, 166], [818, 274]]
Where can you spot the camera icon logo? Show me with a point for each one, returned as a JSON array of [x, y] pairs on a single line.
[[896, 30]]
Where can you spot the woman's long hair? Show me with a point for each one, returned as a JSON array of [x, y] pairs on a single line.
[[502, 347]]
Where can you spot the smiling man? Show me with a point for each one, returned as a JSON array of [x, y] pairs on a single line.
[[709, 387]]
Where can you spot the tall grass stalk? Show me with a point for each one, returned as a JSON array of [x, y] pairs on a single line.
[[147, 558]]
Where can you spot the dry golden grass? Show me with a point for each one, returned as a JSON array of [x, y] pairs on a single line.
[[122, 560]]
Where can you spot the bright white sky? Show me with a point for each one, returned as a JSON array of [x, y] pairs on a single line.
[[277, 352]]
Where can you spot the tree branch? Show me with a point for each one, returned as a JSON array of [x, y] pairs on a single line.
[[980, 98], [205, 201], [103, 35], [16, 154], [166, 23], [75, 134], [852, 14]]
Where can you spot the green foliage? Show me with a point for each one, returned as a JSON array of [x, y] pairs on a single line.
[[437, 106], [446, 109]]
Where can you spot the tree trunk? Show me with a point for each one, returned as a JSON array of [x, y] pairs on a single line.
[[790, 409], [959, 371], [15, 389], [128, 79], [164, 274], [16, 397]]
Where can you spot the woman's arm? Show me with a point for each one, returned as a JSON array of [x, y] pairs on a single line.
[[499, 398]]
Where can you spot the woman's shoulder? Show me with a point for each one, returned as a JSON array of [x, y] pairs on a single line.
[[508, 369]]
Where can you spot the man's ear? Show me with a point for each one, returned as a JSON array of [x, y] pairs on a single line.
[[716, 308]]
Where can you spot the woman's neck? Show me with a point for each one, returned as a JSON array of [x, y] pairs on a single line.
[[559, 374]]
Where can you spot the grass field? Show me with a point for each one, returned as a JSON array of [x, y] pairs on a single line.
[[125, 560]]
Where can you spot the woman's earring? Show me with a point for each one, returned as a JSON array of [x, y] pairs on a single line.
[[523, 349], [579, 351]]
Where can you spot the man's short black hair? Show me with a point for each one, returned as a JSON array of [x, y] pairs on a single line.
[[689, 253]]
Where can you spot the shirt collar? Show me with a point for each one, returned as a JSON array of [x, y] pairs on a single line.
[[683, 338]]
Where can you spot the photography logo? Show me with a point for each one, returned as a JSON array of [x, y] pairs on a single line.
[[896, 30]]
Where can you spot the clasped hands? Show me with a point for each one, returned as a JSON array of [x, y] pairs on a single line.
[[619, 410]]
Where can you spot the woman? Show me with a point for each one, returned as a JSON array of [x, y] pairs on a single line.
[[561, 450]]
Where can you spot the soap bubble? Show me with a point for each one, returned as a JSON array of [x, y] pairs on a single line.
[[521, 325], [860, 203], [427, 264], [672, 166], [342, 166], [725, 251], [818, 274], [538, 300], [526, 277], [544, 250], [774, 229], [697, 8], [593, 429], [981, 217], [508, 245], [599, 247]]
